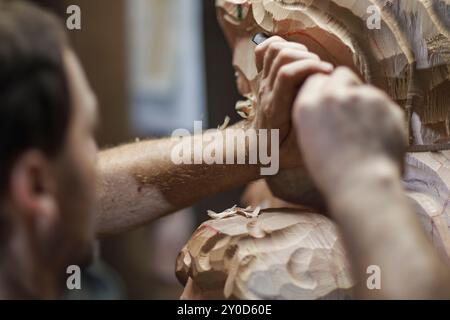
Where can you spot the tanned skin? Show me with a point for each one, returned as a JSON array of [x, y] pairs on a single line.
[[139, 183]]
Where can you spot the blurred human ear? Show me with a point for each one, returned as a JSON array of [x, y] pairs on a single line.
[[33, 190]]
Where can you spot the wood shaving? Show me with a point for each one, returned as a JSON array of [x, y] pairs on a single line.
[[235, 211], [225, 124], [246, 109]]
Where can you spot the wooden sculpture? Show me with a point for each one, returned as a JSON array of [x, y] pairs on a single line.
[[400, 46], [297, 256]]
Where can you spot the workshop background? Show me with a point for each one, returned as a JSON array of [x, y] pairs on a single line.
[[156, 65]]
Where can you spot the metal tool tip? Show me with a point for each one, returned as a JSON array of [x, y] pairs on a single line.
[[260, 38]]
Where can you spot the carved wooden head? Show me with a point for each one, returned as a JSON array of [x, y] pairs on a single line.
[[402, 47]]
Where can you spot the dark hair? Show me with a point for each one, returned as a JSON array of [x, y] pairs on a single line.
[[34, 97]]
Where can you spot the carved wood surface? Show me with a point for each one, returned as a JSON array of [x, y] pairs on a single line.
[[427, 184], [283, 254]]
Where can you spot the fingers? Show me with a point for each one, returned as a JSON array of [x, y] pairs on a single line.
[[284, 67], [262, 49], [282, 53], [267, 51], [291, 77], [287, 56], [326, 90]]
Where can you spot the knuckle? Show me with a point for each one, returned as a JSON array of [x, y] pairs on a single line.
[[312, 64], [313, 56], [274, 47], [344, 73], [302, 47], [277, 39], [288, 53], [268, 45], [342, 69], [260, 50], [314, 78], [355, 96], [285, 73], [329, 98]]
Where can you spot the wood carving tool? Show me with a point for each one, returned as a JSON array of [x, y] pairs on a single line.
[[260, 38]]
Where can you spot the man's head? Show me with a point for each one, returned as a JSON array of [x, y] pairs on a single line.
[[47, 147]]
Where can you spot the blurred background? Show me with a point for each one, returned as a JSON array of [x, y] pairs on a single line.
[[156, 65]]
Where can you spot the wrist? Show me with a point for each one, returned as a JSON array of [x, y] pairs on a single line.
[[377, 174]]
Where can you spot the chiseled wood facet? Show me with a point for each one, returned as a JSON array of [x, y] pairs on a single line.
[[282, 254]]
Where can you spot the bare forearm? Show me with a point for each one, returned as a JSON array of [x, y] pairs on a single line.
[[139, 182], [381, 229]]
